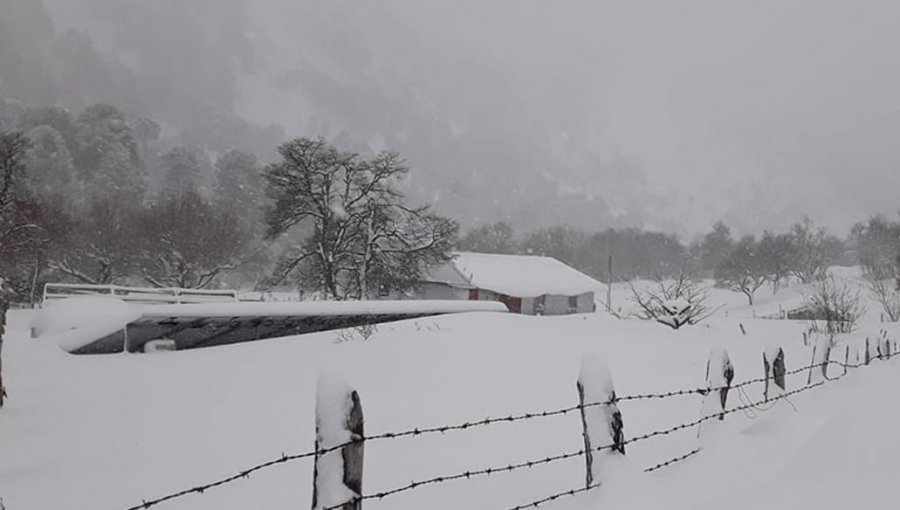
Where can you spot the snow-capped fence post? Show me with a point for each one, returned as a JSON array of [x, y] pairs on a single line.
[[337, 474], [773, 363], [600, 417], [719, 374]]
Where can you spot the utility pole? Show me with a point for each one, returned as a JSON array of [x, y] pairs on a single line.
[[609, 283]]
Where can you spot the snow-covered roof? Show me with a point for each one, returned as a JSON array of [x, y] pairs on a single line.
[[515, 275]]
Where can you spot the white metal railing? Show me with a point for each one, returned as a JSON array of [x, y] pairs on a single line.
[[53, 291]]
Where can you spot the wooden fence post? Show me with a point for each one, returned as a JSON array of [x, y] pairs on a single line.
[[812, 363], [846, 358], [600, 417], [821, 356], [868, 357], [773, 363], [719, 374], [337, 474]]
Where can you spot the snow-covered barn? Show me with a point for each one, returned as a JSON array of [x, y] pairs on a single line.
[[525, 284]]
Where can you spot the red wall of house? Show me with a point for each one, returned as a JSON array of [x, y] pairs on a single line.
[[513, 303]]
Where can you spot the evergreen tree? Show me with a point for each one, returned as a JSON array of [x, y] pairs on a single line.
[[50, 166], [239, 183], [182, 168]]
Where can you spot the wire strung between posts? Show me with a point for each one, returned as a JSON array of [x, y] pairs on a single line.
[[200, 489], [661, 433], [672, 461], [467, 475], [555, 458], [507, 419], [554, 497], [414, 433]]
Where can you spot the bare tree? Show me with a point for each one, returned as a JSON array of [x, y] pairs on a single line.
[[887, 294], [188, 242], [361, 236], [100, 246], [676, 302], [26, 225], [774, 252], [813, 251], [743, 269]]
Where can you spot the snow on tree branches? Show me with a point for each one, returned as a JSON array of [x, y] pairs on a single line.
[[360, 235], [675, 303]]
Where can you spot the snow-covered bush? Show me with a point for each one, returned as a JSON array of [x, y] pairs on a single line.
[[834, 305], [675, 303], [361, 332]]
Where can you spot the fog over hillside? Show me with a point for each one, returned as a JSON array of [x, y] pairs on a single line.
[[655, 114]]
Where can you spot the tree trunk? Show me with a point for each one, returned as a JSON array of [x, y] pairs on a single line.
[[4, 306]]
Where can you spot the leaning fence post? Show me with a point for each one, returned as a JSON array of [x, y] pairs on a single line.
[[821, 356], [337, 474], [600, 417], [773, 363], [719, 374], [812, 364]]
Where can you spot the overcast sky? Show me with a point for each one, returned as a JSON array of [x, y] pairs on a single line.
[[752, 111]]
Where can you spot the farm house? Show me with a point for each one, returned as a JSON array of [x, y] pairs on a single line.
[[526, 284]]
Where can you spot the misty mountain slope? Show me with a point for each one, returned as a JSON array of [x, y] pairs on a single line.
[[368, 80]]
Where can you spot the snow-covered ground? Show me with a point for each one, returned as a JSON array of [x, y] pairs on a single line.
[[106, 432]]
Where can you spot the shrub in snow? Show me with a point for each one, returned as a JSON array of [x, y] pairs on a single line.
[[363, 332], [675, 303], [834, 305]]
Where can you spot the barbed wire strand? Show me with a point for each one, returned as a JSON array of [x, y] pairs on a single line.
[[145, 504], [675, 429], [554, 497], [669, 462], [466, 475], [555, 458]]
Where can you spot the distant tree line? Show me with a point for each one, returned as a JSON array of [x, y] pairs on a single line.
[[803, 253]]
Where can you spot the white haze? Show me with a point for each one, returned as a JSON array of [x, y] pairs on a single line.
[[670, 114]]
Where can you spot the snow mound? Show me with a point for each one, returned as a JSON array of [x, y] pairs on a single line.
[[73, 321]]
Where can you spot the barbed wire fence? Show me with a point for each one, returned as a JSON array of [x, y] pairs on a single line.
[[608, 411]]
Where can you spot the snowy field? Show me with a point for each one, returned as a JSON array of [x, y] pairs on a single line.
[[106, 432]]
